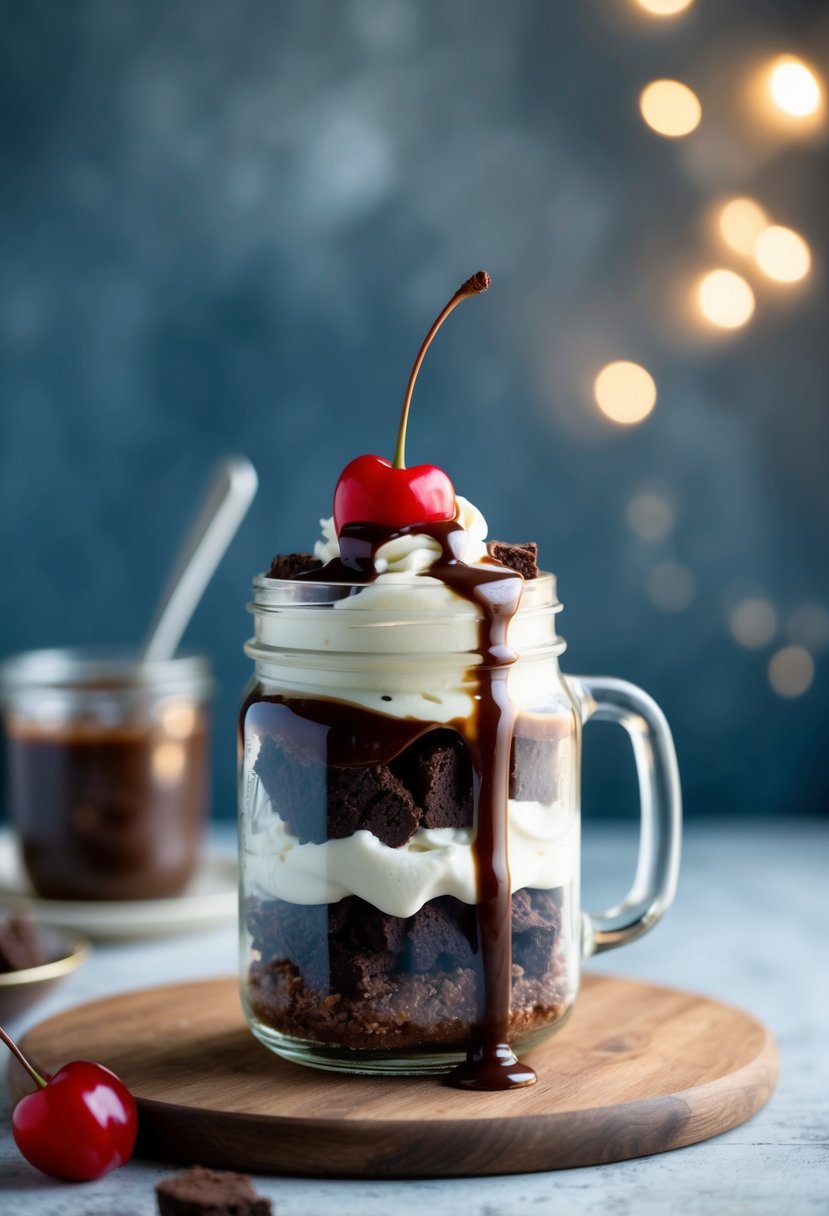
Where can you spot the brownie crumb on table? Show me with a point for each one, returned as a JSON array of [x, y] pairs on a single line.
[[203, 1192], [523, 558], [289, 565], [20, 945]]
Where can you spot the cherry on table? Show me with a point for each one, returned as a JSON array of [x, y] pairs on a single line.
[[78, 1124], [372, 490]]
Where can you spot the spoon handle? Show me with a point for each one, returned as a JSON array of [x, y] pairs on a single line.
[[225, 505]]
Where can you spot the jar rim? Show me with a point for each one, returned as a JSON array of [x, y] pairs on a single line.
[[95, 668], [288, 592]]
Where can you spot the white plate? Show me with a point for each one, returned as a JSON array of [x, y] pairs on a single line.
[[209, 900]]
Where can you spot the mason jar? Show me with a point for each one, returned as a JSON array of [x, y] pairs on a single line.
[[108, 770], [360, 942]]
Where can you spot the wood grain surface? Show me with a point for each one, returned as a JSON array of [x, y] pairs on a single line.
[[639, 1069]]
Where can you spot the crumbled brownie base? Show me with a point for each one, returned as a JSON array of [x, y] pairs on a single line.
[[350, 974], [335, 947], [523, 558], [20, 945], [289, 565], [203, 1192], [398, 1011]]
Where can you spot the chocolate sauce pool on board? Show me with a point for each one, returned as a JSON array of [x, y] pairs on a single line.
[[488, 733]]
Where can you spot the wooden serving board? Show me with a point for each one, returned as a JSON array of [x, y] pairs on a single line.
[[639, 1069]]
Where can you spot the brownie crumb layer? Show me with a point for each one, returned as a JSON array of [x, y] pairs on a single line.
[[398, 1011], [203, 1192], [523, 557], [350, 974]]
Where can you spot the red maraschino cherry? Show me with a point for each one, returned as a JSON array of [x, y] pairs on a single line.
[[370, 490], [78, 1124]]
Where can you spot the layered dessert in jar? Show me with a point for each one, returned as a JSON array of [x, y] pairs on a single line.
[[409, 831], [107, 764]]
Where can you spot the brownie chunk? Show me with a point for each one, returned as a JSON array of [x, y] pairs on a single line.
[[523, 558], [370, 796], [364, 943], [443, 933], [298, 932], [532, 770], [536, 920], [348, 970], [438, 772], [333, 947], [289, 565], [20, 945], [296, 784], [369, 929], [202, 1192], [319, 802]]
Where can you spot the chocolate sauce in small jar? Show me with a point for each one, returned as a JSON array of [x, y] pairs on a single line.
[[409, 818], [108, 771]]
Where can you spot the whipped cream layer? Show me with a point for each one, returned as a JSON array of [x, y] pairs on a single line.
[[543, 853], [431, 631]]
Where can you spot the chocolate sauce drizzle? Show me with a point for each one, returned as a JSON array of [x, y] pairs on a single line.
[[490, 1063]]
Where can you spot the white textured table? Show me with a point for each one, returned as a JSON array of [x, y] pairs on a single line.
[[748, 927]]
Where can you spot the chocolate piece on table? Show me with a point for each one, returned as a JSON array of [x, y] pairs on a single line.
[[202, 1192], [523, 558], [289, 565], [438, 771], [20, 945]]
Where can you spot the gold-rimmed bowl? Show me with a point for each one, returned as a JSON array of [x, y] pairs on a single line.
[[20, 990]]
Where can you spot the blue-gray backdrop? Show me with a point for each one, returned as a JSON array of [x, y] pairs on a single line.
[[225, 225]]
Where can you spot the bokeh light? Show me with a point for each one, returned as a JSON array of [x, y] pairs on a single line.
[[168, 762], [178, 718], [782, 254], [671, 586], [741, 222], [753, 623], [791, 671], [664, 8], [670, 108], [794, 87], [725, 299], [650, 514], [809, 626], [625, 392]]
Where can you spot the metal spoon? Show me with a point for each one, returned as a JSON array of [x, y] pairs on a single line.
[[229, 494]]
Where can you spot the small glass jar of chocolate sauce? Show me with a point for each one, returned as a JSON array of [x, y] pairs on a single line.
[[108, 771], [410, 828]]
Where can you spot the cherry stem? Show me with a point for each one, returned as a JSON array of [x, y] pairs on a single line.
[[21, 1059], [472, 287]]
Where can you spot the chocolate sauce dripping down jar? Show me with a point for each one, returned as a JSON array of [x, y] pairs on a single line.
[[409, 760]]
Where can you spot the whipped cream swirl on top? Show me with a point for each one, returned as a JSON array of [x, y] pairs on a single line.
[[412, 554]]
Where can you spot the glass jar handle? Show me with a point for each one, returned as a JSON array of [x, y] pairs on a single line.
[[657, 869]]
